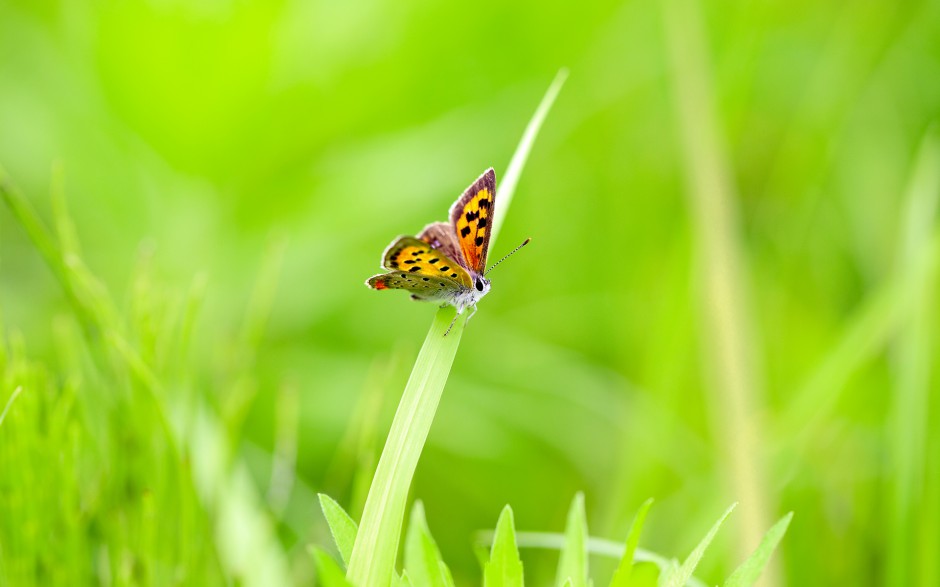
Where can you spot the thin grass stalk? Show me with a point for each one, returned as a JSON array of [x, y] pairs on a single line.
[[908, 425], [376, 547], [726, 323]]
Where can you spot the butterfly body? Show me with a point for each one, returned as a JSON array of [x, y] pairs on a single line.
[[446, 262]]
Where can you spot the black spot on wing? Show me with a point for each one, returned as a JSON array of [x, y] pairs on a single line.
[[465, 231]]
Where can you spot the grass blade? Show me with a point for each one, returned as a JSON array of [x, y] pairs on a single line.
[[623, 572], [44, 242], [573, 564], [504, 568], [373, 557], [10, 401], [676, 576], [912, 353], [342, 527], [422, 557], [750, 570], [735, 383], [509, 180]]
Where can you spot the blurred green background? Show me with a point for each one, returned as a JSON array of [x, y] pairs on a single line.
[[233, 170]]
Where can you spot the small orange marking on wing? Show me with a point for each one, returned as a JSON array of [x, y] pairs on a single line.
[[380, 285]]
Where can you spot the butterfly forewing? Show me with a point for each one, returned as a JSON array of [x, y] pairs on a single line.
[[471, 216], [419, 259]]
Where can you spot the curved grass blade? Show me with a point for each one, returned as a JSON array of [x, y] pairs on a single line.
[[624, 571], [676, 576], [750, 570], [10, 401], [573, 564]]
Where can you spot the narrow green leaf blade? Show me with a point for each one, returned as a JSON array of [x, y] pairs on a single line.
[[749, 571], [422, 557], [676, 576], [504, 568], [625, 570], [510, 179], [329, 574], [342, 527], [573, 565]]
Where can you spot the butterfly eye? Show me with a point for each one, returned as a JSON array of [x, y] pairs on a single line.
[[479, 284]]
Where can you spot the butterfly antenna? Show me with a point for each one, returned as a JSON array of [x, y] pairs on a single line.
[[524, 243]]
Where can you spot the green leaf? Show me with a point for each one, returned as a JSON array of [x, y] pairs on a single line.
[[749, 571], [422, 557], [329, 573], [573, 565], [625, 570], [342, 527], [504, 568], [676, 576]]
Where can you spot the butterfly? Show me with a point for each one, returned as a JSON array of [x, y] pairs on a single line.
[[446, 261]]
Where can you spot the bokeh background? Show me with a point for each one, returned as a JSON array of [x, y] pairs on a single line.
[[730, 293]]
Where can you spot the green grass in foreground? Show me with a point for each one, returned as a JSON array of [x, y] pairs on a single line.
[[424, 567]]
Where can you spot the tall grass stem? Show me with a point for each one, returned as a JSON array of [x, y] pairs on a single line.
[[726, 324]]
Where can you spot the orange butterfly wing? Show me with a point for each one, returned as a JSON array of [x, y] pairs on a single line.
[[471, 216]]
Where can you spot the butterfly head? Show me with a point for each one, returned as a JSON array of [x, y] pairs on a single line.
[[481, 285]]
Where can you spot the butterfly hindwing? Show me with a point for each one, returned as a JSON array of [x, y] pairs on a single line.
[[441, 236], [424, 287], [471, 216], [408, 254]]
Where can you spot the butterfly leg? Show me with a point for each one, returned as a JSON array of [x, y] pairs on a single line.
[[452, 322], [473, 310]]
